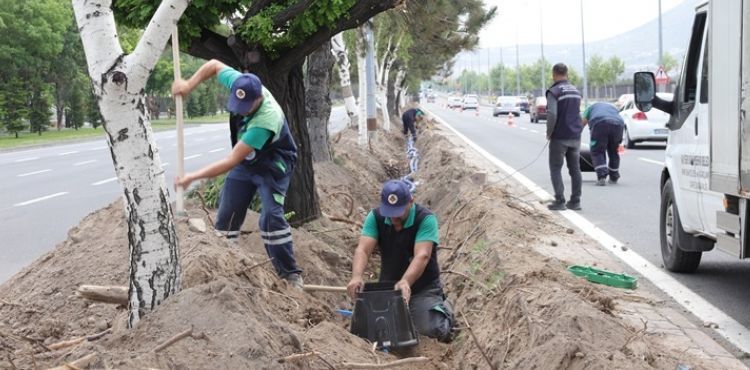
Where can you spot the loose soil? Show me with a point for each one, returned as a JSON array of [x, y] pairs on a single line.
[[525, 309]]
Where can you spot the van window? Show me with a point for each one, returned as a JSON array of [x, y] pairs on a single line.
[[704, 73], [690, 72]]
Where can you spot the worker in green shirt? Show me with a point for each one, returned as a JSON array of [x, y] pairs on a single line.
[[260, 162], [406, 235]]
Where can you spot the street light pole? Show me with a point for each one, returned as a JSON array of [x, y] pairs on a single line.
[[502, 73], [518, 70], [583, 48], [541, 38], [661, 51]]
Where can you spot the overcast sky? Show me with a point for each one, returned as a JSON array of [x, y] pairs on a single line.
[[562, 20]]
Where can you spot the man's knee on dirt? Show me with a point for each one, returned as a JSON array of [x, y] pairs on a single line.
[[435, 322]]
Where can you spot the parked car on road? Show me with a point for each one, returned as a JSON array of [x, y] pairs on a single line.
[[454, 102], [470, 102], [538, 109], [506, 105], [640, 126]]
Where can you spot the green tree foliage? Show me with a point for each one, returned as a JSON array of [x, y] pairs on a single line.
[[669, 61], [39, 111], [30, 42], [16, 105]]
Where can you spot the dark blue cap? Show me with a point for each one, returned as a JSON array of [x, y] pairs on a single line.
[[245, 90], [394, 198]]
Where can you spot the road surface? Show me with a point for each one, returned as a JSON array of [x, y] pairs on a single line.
[[629, 211]]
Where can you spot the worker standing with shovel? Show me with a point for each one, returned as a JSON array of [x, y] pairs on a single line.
[[261, 161]]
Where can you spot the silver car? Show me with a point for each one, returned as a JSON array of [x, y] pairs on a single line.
[[506, 105]]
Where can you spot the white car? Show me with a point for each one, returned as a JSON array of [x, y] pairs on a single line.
[[506, 105], [470, 102], [454, 102], [640, 126]]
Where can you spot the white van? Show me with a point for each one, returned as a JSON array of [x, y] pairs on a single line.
[[705, 187]]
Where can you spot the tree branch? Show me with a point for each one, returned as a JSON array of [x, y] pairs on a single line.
[[150, 46], [359, 13], [289, 13], [255, 8], [96, 24], [211, 45]]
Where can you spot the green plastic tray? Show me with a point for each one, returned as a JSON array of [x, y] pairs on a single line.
[[604, 277]]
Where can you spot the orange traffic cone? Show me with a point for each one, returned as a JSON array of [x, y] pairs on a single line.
[[510, 120], [621, 149]]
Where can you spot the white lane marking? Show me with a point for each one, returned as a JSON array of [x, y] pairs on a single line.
[[66, 153], [524, 128], [534, 131], [174, 145], [198, 140], [34, 173], [652, 161], [216, 150], [193, 156], [104, 181], [728, 327], [85, 162], [165, 164], [25, 159], [40, 199], [98, 148]]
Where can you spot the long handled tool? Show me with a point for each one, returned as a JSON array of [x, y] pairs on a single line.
[[178, 115]]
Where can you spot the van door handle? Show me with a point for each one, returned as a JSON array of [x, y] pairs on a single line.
[[696, 126]]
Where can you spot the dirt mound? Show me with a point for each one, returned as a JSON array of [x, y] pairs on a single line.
[[525, 310]]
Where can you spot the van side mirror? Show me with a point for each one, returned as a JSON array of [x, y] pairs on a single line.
[[645, 90]]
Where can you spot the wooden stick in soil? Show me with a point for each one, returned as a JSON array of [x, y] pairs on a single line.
[[75, 341], [173, 340], [387, 365], [77, 364], [324, 288], [296, 357], [476, 342], [105, 293], [203, 206]]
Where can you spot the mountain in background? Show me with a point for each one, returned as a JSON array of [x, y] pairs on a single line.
[[638, 48]]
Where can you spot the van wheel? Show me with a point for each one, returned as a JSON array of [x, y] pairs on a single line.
[[670, 234], [532, 119]]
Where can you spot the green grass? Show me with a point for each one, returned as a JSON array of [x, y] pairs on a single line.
[[219, 118], [26, 139]]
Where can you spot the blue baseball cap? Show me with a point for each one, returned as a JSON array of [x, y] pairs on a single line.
[[245, 90], [394, 198]]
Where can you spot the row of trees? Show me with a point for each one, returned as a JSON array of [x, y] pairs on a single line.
[[502, 79], [44, 78]]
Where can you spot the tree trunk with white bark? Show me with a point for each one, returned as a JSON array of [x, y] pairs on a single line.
[[318, 101], [399, 86], [362, 77], [119, 81], [338, 48]]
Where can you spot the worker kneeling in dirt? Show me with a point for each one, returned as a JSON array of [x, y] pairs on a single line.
[[407, 236]]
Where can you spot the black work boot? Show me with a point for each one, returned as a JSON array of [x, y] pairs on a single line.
[[557, 205], [601, 181], [574, 204]]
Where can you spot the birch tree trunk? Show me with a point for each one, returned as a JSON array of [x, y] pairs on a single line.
[[119, 81], [338, 48], [318, 101], [362, 77], [399, 85]]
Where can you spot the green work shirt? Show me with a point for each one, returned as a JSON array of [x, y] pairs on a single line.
[[264, 123], [428, 229]]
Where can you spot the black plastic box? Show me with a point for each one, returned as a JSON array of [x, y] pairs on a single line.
[[381, 315]]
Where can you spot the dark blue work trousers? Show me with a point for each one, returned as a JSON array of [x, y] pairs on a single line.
[[606, 136], [239, 188]]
